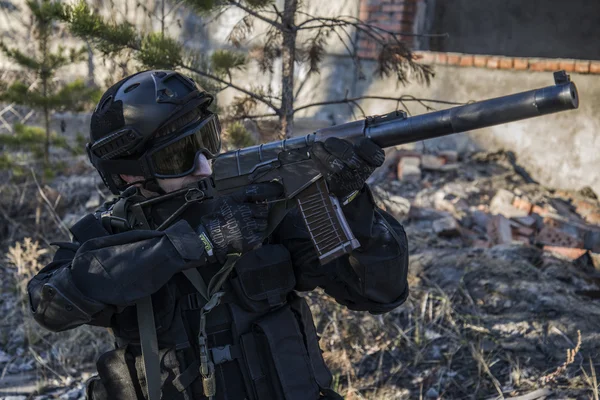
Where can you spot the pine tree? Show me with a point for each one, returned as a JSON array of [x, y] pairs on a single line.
[[46, 94], [283, 41]]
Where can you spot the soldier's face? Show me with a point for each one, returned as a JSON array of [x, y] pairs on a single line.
[[203, 170]]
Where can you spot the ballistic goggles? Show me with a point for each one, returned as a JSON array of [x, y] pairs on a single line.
[[170, 156], [175, 156]]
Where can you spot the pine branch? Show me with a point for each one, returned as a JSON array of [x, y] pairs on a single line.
[[160, 52], [20, 58], [74, 96], [109, 38]]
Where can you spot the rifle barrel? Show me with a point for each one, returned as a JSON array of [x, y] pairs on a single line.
[[476, 115]]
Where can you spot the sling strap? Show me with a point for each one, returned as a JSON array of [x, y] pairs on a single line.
[[149, 343]]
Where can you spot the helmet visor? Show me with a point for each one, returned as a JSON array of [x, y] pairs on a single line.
[[177, 156]]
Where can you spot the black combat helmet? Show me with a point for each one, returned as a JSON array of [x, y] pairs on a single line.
[[152, 124]]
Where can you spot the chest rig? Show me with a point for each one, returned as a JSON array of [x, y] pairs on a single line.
[[271, 347]]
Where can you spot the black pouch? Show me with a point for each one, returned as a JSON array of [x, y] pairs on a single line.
[[277, 359], [122, 375], [263, 278], [95, 390]]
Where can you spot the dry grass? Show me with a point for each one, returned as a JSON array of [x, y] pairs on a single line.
[[429, 348], [57, 358]]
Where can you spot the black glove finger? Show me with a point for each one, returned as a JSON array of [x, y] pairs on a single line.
[[261, 225], [260, 211], [370, 152], [325, 160], [341, 149], [260, 192]]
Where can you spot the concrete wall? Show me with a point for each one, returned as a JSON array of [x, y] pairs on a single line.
[[523, 28]]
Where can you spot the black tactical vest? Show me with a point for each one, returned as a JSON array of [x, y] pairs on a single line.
[[261, 337]]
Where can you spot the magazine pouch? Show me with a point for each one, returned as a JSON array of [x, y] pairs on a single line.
[[263, 278], [277, 359]]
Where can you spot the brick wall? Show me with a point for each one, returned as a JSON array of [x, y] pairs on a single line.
[[398, 16], [514, 63], [402, 16]]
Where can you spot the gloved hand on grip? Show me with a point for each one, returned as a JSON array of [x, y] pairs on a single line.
[[346, 167], [240, 225]]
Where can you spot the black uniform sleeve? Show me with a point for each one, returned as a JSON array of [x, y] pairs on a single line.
[[87, 283], [373, 277]]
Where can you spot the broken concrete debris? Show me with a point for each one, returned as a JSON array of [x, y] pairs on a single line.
[[446, 226], [486, 202], [409, 169]]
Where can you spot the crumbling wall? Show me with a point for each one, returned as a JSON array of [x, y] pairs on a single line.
[[532, 28]]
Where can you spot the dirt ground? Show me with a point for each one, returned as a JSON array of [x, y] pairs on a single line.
[[488, 317]]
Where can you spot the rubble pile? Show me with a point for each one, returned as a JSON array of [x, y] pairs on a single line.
[[484, 202]]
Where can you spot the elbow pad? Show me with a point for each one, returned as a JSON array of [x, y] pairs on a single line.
[[58, 305]]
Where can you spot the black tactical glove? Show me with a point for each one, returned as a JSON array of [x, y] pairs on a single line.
[[344, 166], [240, 224]]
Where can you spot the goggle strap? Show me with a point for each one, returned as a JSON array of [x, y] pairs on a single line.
[[126, 167]]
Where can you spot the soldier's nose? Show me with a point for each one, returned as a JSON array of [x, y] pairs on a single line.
[[203, 167]]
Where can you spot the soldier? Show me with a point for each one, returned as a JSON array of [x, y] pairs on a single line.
[[245, 335]]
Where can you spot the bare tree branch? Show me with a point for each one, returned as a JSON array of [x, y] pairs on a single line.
[[257, 15], [255, 96], [242, 117], [401, 99]]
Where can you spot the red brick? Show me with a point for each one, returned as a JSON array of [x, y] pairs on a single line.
[[466, 61], [395, 8], [367, 53], [425, 57], [521, 64], [392, 26], [539, 210], [537, 65], [493, 62], [567, 252], [553, 237], [506, 63], [480, 61], [552, 65], [441, 58], [453, 59], [595, 67], [522, 204], [593, 218], [567, 65], [583, 67]]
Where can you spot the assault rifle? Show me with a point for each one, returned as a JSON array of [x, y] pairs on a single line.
[[288, 161]]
